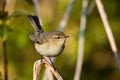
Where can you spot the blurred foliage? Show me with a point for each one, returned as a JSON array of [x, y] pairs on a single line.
[[99, 62], [4, 31]]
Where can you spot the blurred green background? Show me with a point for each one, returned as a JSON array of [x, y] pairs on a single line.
[[99, 62]]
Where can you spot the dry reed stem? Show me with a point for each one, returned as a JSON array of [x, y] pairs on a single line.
[[37, 68], [66, 15], [108, 30], [81, 40]]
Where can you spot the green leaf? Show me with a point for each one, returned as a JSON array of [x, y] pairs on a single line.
[[4, 31]]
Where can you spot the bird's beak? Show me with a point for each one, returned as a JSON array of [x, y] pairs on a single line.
[[67, 36]]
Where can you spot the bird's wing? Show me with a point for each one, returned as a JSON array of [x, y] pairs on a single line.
[[40, 39], [33, 37]]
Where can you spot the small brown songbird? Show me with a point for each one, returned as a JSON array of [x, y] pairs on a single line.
[[48, 44]]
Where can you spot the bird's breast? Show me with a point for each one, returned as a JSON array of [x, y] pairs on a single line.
[[47, 49]]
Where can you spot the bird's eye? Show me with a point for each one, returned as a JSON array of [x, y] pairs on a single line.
[[58, 37]]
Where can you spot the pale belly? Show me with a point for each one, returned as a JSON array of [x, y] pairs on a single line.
[[50, 51]]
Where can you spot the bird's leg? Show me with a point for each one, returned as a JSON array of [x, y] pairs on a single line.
[[48, 59], [52, 63]]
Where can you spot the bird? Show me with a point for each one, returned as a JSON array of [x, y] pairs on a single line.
[[48, 44]]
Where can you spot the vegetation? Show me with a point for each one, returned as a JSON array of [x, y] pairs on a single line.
[[99, 62]]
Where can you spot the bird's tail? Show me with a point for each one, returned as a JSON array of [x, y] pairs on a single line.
[[34, 20]]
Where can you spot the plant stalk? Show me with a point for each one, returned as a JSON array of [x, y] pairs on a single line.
[[5, 61]]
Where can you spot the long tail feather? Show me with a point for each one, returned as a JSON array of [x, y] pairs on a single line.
[[35, 23]]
